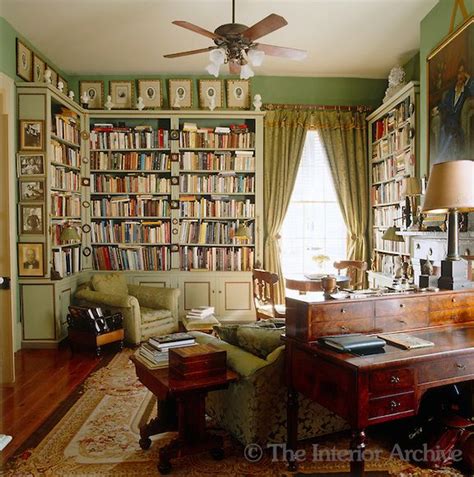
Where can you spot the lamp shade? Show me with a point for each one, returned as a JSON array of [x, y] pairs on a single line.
[[391, 235], [411, 187], [69, 233], [450, 187], [242, 232]]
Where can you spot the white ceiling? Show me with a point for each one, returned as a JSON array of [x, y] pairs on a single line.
[[345, 38]]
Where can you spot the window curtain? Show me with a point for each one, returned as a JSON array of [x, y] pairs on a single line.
[[285, 133]]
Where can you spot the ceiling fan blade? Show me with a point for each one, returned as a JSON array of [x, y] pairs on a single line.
[[264, 27], [234, 68], [197, 29], [190, 52], [283, 52]]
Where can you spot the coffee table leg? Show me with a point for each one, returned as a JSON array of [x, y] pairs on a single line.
[[358, 445], [164, 422]]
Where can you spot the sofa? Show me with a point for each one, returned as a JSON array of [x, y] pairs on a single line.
[[253, 409], [147, 311]]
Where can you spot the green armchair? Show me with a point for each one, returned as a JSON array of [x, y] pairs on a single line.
[[147, 311], [253, 409]]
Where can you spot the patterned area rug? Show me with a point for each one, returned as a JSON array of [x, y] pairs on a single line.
[[98, 436]]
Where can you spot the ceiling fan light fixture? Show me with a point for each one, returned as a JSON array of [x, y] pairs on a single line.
[[246, 72], [217, 56], [213, 69], [256, 57]]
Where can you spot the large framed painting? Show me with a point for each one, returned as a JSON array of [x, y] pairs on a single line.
[[450, 76]]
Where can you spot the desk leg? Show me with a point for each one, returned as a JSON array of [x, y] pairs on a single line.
[[292, 429], [358, 445]]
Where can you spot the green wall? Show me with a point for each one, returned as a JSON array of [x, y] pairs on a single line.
[[434, 28], [8, 37], [412, 68]]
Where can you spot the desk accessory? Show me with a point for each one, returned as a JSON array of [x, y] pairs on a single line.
[[354, 342], [405, 341]]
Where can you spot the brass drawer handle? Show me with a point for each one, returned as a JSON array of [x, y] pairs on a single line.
[[403, 322], [402, 305], [394, 405], [394, 379], [343, 310], [344, 328], [460, 366]]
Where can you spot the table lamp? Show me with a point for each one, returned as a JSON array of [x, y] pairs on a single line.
[[69, 233], [451, 190], [411, 189], [391, 235]]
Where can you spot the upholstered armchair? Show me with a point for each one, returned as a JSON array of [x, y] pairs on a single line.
[[147, 311]]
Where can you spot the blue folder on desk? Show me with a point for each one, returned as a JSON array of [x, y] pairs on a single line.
[[353, 343]]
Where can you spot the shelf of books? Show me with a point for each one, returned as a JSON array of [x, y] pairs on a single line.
[[393, 152]]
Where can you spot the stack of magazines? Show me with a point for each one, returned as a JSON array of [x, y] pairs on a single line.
[[200, 313]]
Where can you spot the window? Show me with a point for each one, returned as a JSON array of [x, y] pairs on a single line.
[[313, 224]]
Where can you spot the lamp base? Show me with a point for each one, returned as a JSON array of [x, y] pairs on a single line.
[[426, 281], [454, 275]]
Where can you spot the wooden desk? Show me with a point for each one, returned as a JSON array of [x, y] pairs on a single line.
[[303, 284], [190, 397], [373, 389]]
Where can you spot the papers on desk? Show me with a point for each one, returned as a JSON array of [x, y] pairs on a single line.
[[405, 341]]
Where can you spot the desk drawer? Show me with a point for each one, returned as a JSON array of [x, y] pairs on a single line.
[[337, 327], [342, 311], [451, 300], [391, 381], [401, 307], [454, 315], [401, 323], [446, 368], [390, 405]]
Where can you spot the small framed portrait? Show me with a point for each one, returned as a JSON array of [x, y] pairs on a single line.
[[24, 61], [54, 76], [238, 94], [38, 69], [151, 92], [180, 93], [95, 91], [31, 219], [32, 135], [211, 94], [30, 260], [123, 94], [32, 190], [30, 164]]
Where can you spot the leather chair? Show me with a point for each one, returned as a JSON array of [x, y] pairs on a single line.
[[355, 271], [263, 283], [147, 311]]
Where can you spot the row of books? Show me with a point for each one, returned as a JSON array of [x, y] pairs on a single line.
[[405, 164], [190, 206], [67, 260], [224, 259], [123, 161], [130, 183], [63, 179], [389, 246], [130, 207], [190, 183], [197, 232], [386, 193], [385, 170], [67, 128], [63, 205], [131, 232], [385, 216], [63, 154], [209, 161], [393, 144], [57, 228], [393, 120], [108, 136], [210, 138], [131, 258]]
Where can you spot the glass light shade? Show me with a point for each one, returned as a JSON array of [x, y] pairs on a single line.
[[69, 233], [213, 69], [391, 235], [217, 56], [411, 187], [242, 232], [256, 57], [450, 187], [246, 72]]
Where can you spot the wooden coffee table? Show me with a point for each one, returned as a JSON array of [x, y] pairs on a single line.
[[190, 396]]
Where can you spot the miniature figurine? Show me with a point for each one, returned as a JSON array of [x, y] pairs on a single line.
[[140, 103], [47, 76], [108, 104], [257, 102]]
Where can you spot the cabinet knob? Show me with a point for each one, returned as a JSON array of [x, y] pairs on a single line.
[[344, 328], [403, 322], [453, 300], [460, 366], [220, 291], [343, 310], [394, 405], [394, 379], [402, 305]]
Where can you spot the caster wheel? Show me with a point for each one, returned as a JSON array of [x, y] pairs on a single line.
[[217, 454], [121, 345], [164, 468], [145, 443]]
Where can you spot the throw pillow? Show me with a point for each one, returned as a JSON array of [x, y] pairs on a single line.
[[112, 284], [259, 341], [227, 333]]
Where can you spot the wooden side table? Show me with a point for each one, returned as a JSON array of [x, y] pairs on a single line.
[[190, 396]]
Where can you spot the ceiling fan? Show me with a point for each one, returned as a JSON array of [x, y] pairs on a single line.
[[235, 45]]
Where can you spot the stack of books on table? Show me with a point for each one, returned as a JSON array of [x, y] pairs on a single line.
[[200, 313]]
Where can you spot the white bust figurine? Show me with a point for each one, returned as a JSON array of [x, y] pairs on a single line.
[[85, 98], [211, 103], [47, 76], [60, 86], [396, 81], [71, 95], [257, 102], [109, 105], [176, 103], [140, 103]]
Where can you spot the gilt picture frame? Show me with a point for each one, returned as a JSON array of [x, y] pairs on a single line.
[[95, 91], [24, 61], [180, 93], [31, 219], [39, 66], [31, 259], [123, 94], [238, 94], [151, 91], [211, 91], [31, 135]]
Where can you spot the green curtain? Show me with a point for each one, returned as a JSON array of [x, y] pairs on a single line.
[[285, 133]]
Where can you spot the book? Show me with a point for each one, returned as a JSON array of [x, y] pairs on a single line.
[[406, 341], [172, 340], [200, 312], [148, 363], [352, 342]]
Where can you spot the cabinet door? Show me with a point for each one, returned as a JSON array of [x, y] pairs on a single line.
[[235, 297], [161, 280], [37, 312], [196, 290]]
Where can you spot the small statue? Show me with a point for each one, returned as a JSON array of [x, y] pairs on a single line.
[[85, 100], [47, 76], [108, 104], [140, 103], [60, 86], [427, 267], [71, 95], [398, 267], [373, 261], [176, 103], [257, 102], [396, 81], [211, 103]]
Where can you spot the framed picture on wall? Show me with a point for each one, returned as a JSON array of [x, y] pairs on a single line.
[[238, 94], [32, 135], [450, 75], [123, 94], [30, 164], [31, 219], [95, 91], [30, 260], [31, 190], [24, 61], [211, 94], [54, 76], [151, 92], [38, 69], [180, 94]]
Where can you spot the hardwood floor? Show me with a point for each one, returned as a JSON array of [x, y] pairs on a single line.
[[44, 379]]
